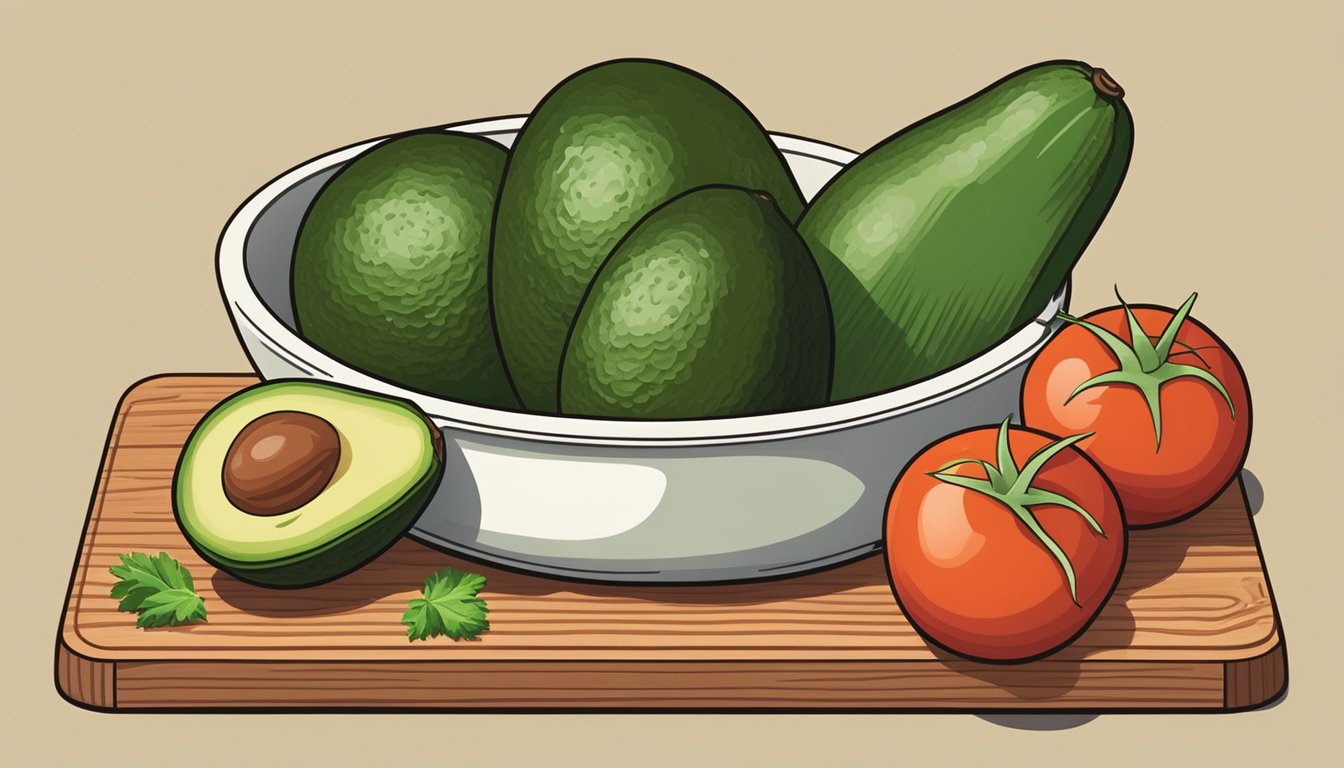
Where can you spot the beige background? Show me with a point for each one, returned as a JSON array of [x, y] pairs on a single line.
[[131, 131]]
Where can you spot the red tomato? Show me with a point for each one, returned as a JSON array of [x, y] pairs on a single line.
[[1203, 440], [969, 572]]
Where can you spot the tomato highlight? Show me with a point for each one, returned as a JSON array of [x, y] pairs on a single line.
[[1002, 544], [1164, 398]]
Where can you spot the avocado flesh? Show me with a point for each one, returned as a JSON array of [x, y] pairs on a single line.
[[945, 238], [599, 152], [712, 306], [388, 469], [390, 268]]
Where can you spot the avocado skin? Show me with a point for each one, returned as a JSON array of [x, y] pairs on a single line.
[[947, 237], [338, 557], [600, 151], [711, 306], [391, 266]]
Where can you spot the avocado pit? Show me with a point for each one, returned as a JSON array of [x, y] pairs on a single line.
[[280, 461]]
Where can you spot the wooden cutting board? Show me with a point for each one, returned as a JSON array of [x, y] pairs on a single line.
[[1191, 627]]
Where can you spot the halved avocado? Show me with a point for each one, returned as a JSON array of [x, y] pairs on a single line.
[[388, 464]]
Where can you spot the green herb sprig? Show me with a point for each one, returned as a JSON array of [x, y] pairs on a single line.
[[449, 607], [158, 589]]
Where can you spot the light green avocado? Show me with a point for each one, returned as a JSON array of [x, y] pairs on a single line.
[[712, 306], [604, 148], [390, 267], [390, 462], [954, 233]]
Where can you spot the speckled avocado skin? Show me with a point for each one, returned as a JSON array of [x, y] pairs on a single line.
[[600, 151], [712, 306], [391, 266]]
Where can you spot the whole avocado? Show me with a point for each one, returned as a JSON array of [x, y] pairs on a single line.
[[951, 234], [391, 267], [600, 151], [711, 306]]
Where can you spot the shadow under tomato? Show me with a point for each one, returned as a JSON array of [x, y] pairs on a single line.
[[1045, 722], [1049, 682], [1255, 492]]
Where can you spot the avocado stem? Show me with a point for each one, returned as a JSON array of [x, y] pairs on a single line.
[[1106, 85]]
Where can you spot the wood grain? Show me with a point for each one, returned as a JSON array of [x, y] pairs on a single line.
[[1192, 624], [86, 681]]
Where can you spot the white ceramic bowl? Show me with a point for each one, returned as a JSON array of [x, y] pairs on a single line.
[[670, 501]]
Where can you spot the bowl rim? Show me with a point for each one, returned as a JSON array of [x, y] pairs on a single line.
[[245, 305]]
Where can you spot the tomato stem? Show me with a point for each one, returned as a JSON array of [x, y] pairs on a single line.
[[1145, 364], [1011, 486]]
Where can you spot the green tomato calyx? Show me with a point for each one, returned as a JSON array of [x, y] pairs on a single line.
[[1145, 363], [1010, 485]]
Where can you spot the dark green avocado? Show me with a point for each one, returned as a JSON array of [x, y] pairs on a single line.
[[391, 266], [712, 306], [604, 148]]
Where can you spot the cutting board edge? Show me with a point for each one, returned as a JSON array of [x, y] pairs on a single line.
[[87, 683], [82, 680], [1254, 682], [95, 685]]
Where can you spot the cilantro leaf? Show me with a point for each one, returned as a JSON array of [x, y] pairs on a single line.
[[449, 607], [158, 588]]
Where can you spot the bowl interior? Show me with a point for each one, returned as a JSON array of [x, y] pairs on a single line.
[[271, 239], [254, 264]]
